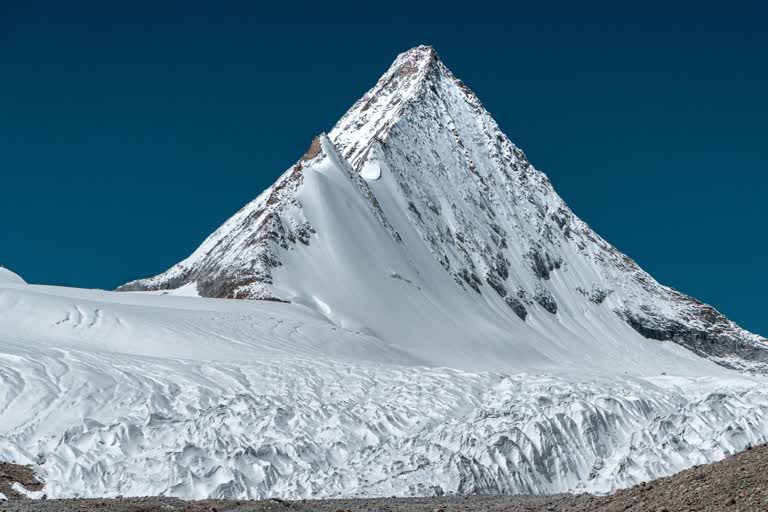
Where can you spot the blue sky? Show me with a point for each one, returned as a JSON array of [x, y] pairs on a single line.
[[130, 131]]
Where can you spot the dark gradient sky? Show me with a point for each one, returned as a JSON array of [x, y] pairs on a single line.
[[130, 131]]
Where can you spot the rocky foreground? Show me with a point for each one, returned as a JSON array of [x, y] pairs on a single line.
[[738, 483]]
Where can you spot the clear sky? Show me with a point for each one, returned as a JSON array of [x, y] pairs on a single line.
[[130, 130]]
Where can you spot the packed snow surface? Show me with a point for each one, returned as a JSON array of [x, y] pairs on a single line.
[[132, 394]]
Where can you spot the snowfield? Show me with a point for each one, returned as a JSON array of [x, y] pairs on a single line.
[[142, 394], [430, 318]]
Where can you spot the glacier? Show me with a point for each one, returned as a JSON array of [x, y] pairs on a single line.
[[110, 394], [419, 313]]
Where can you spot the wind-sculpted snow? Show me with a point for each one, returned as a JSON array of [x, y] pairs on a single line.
[[298, 430], [110, 394]]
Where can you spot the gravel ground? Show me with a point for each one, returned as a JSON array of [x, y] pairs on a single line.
[[11, 473], [739, 483]]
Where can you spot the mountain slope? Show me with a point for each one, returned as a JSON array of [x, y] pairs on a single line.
[[417, 221]]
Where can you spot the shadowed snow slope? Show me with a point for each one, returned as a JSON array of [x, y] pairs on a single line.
[[439, 322]]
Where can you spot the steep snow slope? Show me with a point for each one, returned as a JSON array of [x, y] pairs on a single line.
[[142, 393], [419, 222]]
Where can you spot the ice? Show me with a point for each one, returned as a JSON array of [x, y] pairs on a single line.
[[112, 394], [436, 320]]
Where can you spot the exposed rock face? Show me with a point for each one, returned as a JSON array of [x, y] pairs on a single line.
[[457, 211], [545, 299], [12, 475], [702, 329], [237, 260]]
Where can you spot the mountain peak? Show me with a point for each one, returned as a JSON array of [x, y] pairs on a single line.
[[370, 118], [417, 207], [416, 59]]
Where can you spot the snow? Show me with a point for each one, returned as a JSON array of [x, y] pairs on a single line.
[[138, 394], [416, 180], [35, 495], [8, 277], [371, 171], [448, 325]]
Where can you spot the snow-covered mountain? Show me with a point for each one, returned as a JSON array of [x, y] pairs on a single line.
[[434, 319], [417, 220]]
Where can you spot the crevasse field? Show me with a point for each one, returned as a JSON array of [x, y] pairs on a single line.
[[142, 394]]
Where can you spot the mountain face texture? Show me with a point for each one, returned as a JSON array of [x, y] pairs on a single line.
[[417, 221]]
